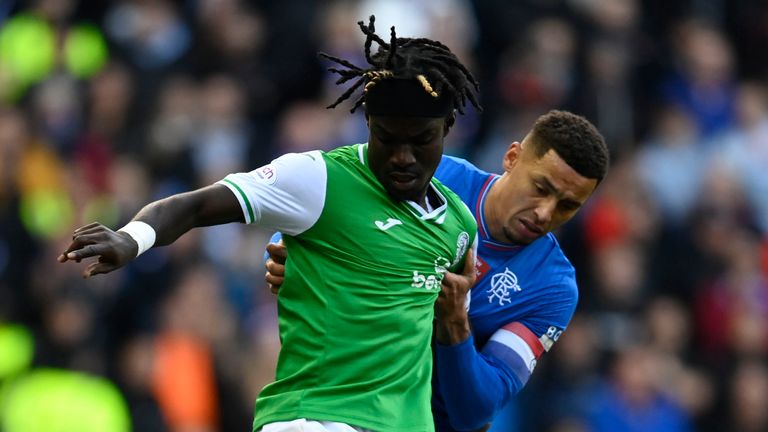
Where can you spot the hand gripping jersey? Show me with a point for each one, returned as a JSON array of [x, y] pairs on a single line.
[[356, 308], [523, 300]]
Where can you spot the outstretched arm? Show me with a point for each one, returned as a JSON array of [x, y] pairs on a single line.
[[173, 216], [286, 195], [169, 218]]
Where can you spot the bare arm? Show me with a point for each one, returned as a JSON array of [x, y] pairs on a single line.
[[173, 216], [169, 217], [275, 265]]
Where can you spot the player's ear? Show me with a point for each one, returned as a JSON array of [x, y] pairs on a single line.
[[512, 156]]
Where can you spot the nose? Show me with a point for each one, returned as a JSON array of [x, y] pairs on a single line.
[[544, 211], [402, 156]]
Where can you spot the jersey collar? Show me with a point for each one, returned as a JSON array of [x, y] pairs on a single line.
[[482, 226], [437, 214]]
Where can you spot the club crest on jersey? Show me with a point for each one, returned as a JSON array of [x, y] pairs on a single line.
[[462, 243], [267, 174], [501, 284]]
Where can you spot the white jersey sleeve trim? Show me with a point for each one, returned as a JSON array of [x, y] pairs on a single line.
[[287, 195], [475, 245], [361, 149]]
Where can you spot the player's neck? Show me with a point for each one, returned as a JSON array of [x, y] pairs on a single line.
[[430, 200]]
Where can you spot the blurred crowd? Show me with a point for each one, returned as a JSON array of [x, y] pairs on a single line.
[[105, 106]]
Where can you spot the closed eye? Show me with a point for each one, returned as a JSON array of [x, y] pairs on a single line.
[[424, 138], [569, 206]]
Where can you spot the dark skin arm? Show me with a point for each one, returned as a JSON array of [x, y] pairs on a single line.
[[170, 217], [452, 325], [450, 309], [275, 265]]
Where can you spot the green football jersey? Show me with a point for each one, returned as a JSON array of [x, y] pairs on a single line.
[[357, 305]]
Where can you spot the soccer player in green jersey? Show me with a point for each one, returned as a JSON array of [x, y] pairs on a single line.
[[371, 232]]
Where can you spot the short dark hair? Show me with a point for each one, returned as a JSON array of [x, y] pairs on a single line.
[[426, 60], [575, 140]]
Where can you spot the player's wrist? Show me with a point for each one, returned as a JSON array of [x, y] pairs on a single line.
[[453, 329], [142, 233]]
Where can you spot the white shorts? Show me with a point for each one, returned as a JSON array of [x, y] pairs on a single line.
[[304, 425]]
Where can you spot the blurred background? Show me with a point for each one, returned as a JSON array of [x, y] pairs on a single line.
[[105, 106]]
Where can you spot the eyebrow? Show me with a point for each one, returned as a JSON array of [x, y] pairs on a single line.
[[550, 186], [558, 193], [378, 130], [428, 133], [383, 132]]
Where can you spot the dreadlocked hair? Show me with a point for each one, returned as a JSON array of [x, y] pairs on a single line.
[[426, 60]]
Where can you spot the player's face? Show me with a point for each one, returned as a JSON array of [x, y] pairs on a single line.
[[403, 153], [535, 195]]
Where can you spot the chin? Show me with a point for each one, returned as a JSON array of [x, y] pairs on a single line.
[[511, 237], [405, 195], [519, 241], [399, 195]]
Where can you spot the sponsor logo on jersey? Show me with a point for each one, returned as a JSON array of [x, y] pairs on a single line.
[[501, 285], [431, 282], [441, 266], [267, 174], [388, 224], [550, 337]]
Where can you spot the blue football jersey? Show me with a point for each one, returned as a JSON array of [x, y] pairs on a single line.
[[524, 297]]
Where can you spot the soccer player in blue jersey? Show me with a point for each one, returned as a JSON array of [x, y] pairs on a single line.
[[525, 293]]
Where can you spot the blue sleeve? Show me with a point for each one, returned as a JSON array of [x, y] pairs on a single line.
[[553, 306], [276, 237], [452, 172], [558, 306], [474, 386]]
